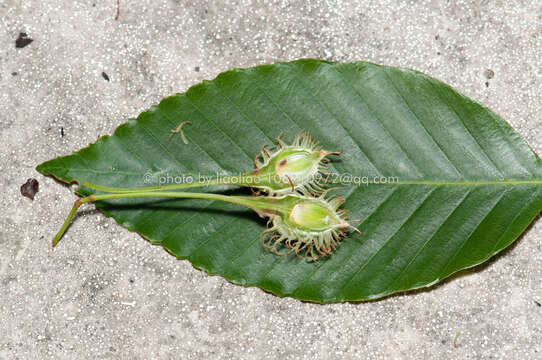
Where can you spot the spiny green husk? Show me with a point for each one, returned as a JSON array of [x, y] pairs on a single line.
[[311, 227], [298, 167]]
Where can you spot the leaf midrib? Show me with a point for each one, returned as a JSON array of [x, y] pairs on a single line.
[[408, 182], [465, 183]]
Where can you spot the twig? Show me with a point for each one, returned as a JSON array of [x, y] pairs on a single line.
[[118, 10], [455, 339], [179, 129]]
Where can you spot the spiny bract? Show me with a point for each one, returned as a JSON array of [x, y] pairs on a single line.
[[299, 167], [306, 225]]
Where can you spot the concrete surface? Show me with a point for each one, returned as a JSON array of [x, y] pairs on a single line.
[[106, 293]]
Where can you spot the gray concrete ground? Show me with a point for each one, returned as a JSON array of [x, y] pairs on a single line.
[[106, 293]]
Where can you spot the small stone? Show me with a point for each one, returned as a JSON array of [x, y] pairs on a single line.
[[30, 188], [22, 41], [489, 74]]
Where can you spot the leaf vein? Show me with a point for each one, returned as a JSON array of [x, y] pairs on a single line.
[[355, 141], [217, 127], [364, 265], [472, 232], [390, 80], [526, 203], [377, 118], [348, 258], [210, 236], [428, 241], [238, 109], [486, 155]]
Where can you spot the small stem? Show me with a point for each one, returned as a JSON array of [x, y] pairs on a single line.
[[255, 203], [246, 179], [455, 339], [179, 129], [239, 200], [66, 222], [219, 181]]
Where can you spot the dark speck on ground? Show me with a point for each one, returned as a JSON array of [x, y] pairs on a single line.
[[489, 74], [22, 40]]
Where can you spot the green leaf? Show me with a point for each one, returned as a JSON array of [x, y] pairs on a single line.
[[468, 184]]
